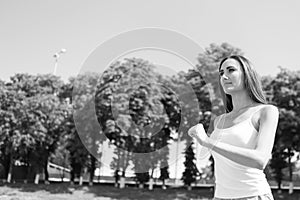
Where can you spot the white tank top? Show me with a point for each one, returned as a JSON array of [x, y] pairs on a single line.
[[234, 180]]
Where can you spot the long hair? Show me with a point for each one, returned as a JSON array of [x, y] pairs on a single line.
[[252, 83]]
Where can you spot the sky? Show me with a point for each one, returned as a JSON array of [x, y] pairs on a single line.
[[32, 31]]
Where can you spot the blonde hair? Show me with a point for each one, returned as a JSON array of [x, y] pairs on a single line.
[[252, 83]]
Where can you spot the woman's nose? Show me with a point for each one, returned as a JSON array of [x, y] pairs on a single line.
[[224, 77]]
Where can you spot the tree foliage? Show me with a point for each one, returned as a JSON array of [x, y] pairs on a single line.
[[191, 172], [284, 92]]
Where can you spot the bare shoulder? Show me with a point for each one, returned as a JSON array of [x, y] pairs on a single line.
[[269, 109], [269, 112]]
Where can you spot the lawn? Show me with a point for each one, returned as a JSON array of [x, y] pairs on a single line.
[[64, 191]]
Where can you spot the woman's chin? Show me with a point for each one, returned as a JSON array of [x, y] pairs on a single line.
[[230, 92]]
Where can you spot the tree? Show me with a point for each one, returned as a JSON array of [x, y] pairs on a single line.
[[11, 104], [133, 127], [78, 156], [84, 136], [61, 155], [284, 91], [278, 163], [191, 172], [37, 114], [47, 114], [107, 120]]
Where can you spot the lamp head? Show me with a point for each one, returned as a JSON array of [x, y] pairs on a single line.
[[63, 51]]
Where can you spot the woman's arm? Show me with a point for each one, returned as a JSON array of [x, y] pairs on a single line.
[[257, 157]]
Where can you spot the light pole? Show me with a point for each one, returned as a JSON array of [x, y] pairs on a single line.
[[56, 56]]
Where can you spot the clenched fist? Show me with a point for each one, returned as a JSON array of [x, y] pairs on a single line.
[[198, 133]]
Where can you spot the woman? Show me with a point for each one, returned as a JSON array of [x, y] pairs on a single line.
[[246, 131]]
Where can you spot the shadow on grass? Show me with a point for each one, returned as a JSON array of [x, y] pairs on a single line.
[[30, 187], [284, 195], [109, 191], [157, 193]]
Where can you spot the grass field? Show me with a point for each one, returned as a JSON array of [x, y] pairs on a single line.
[[64, 191]]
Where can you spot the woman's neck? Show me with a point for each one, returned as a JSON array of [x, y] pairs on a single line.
[[241, 100]]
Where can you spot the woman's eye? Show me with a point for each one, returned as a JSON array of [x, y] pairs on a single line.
[[230, 70], [221, 73]]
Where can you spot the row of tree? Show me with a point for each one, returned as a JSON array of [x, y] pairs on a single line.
[[136, 109]]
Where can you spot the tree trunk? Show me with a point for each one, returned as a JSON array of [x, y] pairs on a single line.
[[62, 176], [279, 187], [37, 173], [164, 184], [9, 175], [46, 171], [92, 170], [37, 178], [189, 187], [152, 172], [151, 183], [80, 180], [6, 164], [291, 185], [99, 173], [28, 173], [122, 182], [72, 176], [117, 178], [141, 185]]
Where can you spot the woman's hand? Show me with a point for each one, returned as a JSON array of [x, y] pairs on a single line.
[[199, 133]]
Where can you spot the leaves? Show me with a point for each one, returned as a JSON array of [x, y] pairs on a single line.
[[31, 114], [191, 172], [284, 92]]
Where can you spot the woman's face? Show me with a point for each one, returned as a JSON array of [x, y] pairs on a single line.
[[231, 76]]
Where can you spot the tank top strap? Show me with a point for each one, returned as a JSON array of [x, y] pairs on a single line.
[[217, 123], [249, 118], [258, 108]]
